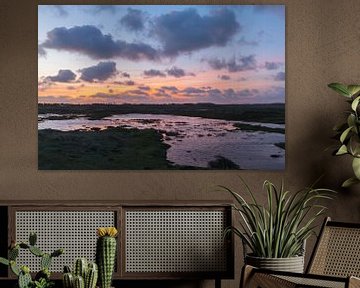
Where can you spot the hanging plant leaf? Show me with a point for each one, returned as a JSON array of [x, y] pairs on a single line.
[[342, 150], [355, 103], [356, 167], [353, 89], [345, 134], [340, 88], [349, 182]]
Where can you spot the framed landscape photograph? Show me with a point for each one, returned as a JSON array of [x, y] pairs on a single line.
[[137, 87]]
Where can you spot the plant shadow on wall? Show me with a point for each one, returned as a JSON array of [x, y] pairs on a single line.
[[276, 232]]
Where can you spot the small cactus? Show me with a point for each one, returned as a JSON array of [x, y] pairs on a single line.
[[91, 276], [89, 272], [45, 261], [32, 239], [79, 282], [80, 268], [24, 278], [106, 254]]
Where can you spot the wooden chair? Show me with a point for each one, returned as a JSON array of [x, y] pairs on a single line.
[[335, 262]]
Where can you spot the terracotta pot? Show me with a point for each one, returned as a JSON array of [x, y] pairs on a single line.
[[291, 264]]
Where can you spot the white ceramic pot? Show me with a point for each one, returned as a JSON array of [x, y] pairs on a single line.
[[291, 264]]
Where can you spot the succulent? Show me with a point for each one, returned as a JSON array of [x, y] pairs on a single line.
[[85, 275], [42, 278], [106, 254]]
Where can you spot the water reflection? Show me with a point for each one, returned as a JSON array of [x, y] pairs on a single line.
[[194, 141]]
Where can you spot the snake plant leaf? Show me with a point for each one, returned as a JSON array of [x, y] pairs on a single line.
[[353, 89], [342, 150], [345, 134], [356, 167], [355, 103], [349, 182], [340, 88]]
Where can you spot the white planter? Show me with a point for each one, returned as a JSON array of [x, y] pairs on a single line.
[[291, 264]]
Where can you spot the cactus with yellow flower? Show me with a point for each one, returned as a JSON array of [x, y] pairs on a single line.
[[106, 254]]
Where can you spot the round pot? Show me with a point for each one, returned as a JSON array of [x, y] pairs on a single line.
[[291, 264]]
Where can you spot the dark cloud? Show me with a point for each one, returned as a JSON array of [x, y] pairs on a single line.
[[176, 72], [235, 64], [100, 72], [124, 74], [41, 51], [193, 90], [224, 77], [111, 91], [133, 20], [89, 40], [144, 87], [173, 89], [62, 76], [129, 83], [272, 65], [243, 41], [187, 30], [154, 73], [280, 76]]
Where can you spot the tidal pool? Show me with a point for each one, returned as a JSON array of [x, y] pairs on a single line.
[[193, 141]]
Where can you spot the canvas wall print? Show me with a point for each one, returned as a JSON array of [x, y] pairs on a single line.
[[137, 87]]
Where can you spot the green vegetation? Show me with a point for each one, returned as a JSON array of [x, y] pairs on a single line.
[[222, 163], [110, 149], [264, 113], [113, 148], [250, 127], [348, 132], [279, 228]]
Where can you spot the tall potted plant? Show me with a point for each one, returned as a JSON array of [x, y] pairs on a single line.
[[276, 233], [349, 131]]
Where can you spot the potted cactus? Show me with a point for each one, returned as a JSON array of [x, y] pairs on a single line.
[[42, 278], [106, 254], [84, 275]]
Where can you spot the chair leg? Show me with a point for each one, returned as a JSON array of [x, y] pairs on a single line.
[[246, 274]]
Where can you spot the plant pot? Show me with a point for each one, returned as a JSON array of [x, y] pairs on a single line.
[[291, 264]]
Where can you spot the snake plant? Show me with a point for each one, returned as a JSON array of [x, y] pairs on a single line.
[[279, 228], [349, 131]]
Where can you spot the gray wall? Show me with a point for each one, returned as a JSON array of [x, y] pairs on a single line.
[[322, 46]]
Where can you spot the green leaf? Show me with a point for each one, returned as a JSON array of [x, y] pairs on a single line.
[[340, 88], [349, 182], [345, 134], [351, 120], [4, 261], [356, 167], [355, 103], [342, 150], [353, 89]]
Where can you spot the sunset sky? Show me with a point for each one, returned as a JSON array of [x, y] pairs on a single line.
[[161, 54]]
